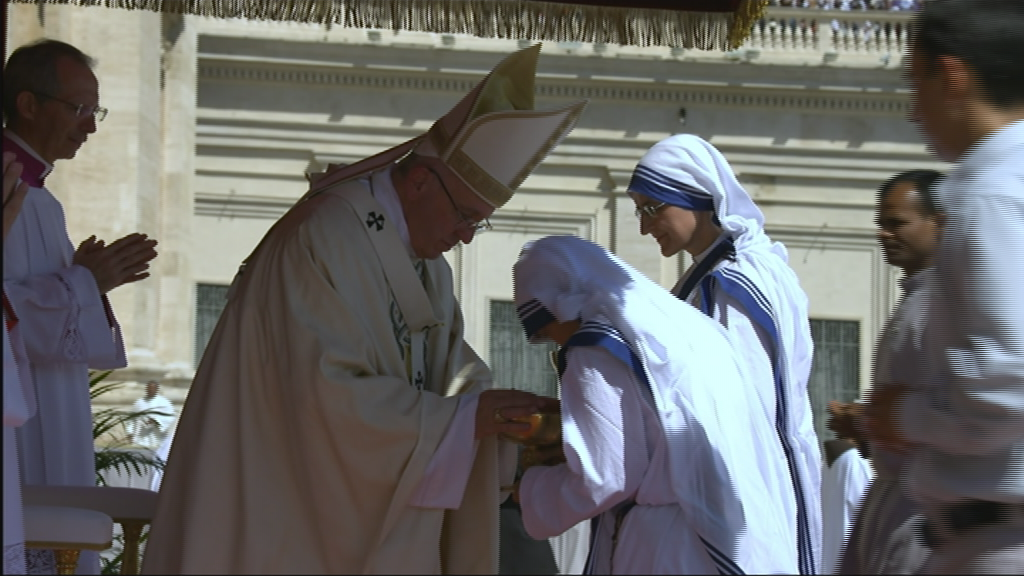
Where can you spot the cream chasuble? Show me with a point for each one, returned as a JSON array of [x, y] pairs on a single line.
[[305, 436]]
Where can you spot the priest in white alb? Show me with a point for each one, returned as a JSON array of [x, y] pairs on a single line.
[[56, 293], [339, 423], [155, 417]]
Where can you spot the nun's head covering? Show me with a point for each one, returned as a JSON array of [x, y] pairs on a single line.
[[558, 278], [687, 171], [566, 278]]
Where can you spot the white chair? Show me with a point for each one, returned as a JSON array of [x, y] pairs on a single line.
[[67, 531], [132, 508]]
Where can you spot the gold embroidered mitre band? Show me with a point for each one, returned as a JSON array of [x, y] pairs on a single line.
[[492, 139]]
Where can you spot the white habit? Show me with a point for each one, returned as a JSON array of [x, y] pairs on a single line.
[[745, 283], [843, 486], [653, 414], [67, 327], [571, 548]]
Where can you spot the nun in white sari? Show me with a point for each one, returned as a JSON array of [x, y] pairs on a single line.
[[688, 198], [663, 447]]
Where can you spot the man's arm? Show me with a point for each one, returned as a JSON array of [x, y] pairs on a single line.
[[64, 318], [976, 405]]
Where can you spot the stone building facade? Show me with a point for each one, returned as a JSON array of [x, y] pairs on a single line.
[[214, 123]]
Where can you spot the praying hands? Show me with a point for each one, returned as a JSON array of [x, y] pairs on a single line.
[[122, 262]]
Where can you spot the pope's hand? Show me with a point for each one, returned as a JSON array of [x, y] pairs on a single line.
[[496, 408]]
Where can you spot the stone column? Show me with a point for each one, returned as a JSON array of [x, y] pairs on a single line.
[[24, 24], [112, 187], [175, 329]]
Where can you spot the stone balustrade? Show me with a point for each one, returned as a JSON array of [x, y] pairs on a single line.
[[786, 36], [831, 33]]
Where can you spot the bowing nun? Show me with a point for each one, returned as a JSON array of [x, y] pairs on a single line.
[[687, 198], [662, 446]]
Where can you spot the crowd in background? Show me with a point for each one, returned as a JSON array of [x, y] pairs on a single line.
[[894, 5], [864, 30]]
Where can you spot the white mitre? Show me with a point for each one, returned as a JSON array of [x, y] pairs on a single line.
[[492, 139]]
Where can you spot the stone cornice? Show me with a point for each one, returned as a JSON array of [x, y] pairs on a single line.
[[226, 69], [235, 206]]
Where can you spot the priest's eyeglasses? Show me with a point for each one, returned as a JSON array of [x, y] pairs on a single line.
[[81, 110], [475, 225], [649, 210]]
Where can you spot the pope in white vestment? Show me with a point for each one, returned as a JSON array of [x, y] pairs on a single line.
[[662, 444], [743, 280], [330, 426], [67, 327]]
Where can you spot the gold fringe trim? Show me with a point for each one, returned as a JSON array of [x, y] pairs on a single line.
[[510, 19], [748, 14]]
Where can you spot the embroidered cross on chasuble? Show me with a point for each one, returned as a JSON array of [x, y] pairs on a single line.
[[403, 336]]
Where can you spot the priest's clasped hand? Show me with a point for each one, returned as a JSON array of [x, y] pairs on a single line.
[[496, 408], [121, 262]]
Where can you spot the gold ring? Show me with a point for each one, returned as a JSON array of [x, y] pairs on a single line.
[[497, 415]]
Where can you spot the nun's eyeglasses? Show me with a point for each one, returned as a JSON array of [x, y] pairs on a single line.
[[649, 210]]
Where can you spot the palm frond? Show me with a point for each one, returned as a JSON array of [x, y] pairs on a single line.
[[96, 390], [125, 461], [96, 376], [109, 419], [117, 456]]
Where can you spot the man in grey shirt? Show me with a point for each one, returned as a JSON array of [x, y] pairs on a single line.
[[961, 421], [910, 222]]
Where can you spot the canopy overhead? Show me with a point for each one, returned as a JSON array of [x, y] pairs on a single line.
[[702, 24]]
